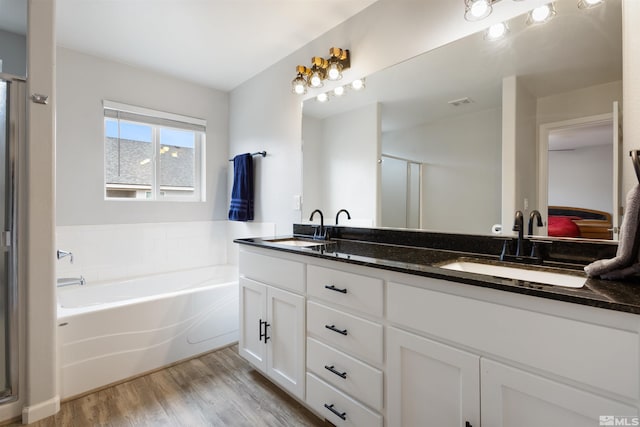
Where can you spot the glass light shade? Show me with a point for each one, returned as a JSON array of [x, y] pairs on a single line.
[[541, 14], [315, 80], [477, 9], [586, 4], [338, 91], [334, 72], [299, 85], [323, 97], [357, 84], [496, 31]]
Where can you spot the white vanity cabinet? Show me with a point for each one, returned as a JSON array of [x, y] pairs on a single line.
[[345, 349], [272, 332], [552, 370]]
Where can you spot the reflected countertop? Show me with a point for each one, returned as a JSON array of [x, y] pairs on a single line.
[[613, 295]]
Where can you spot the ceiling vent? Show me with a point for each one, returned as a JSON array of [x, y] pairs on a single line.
[[461, 101]]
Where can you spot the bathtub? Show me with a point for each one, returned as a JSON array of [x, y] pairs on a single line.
[[108, 332]]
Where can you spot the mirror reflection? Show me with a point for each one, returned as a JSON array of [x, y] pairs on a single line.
[[13, 39], [433, 142]]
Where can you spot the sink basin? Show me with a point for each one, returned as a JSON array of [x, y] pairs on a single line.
[[301, 243], [518, 273]]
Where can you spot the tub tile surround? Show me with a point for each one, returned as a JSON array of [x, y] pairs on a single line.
[[420, 253], [117, 251]]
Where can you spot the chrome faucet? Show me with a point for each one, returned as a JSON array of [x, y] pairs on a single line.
[[534, 215], [321, 233], [339, 212], [518, 226], [61, 254], [69, 281]]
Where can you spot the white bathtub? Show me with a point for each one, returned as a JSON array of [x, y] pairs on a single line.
[[112, 331]]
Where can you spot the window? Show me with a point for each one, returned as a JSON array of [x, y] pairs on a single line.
[[152, 155]]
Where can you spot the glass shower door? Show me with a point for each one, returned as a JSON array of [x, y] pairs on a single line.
[[11, 129]]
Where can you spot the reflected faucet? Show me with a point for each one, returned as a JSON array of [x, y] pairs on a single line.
[[518, 226], [532, 215], [319, 234], [339, 212]]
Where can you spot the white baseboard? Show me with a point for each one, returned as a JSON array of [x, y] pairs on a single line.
[[40, 410]]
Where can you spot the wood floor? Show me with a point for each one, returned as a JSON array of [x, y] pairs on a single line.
[[216, 389]]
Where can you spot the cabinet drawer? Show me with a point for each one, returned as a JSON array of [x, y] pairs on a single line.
[[352, 334], [337, 407], [345, 373], [278, 272], [347, 289]]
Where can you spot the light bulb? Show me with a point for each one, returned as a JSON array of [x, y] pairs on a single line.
[[338, 91], [541, 13], [357, 84], [316, 79], [496, 31], [323, 97], [334, 71], [299, 85], [586, 4], [477, 9]]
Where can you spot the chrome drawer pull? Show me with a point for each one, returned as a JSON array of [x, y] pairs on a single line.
[[334, 329], [333, 288], [338, 373], [342, 415]]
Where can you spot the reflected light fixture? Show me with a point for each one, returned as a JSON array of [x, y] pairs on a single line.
[[357, 84], [475, 10], [496, 31], [323, 97], [320, 70], [541, 14], [338, 91], [586, 4]]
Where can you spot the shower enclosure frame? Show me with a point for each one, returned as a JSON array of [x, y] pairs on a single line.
[[16, 137]]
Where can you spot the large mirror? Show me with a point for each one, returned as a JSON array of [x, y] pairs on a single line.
[[13, 37], [437, 141]]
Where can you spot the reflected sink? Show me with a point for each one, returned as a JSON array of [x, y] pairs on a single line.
[[518, 273], [294, 241]]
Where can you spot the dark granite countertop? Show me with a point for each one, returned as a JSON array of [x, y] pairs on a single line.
[[425, 261]]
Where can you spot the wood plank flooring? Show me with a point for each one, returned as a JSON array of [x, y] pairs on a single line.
[[216, 389]]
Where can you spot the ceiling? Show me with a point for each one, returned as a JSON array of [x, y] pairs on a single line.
[[216, 43]]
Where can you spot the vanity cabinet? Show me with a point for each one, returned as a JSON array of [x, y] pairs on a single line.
[[272, 332], [429, 382]]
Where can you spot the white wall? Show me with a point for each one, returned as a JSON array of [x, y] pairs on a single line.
[[266, 115], [13, 53], [83, 82], [461, 169], [582, 178]]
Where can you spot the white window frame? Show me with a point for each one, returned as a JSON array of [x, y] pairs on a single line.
[[161, 119]]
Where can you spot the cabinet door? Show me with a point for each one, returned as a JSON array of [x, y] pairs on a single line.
[[515, 398], [253, 297], [286, 340], [431, 384]]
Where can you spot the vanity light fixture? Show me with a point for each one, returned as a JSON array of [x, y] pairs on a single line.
[[587, 4], [475, 10], [320, 70], [541, 14]]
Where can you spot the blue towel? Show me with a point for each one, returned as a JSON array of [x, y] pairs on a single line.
[[241, 208]]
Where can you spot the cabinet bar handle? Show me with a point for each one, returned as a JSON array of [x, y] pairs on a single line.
[[262, 335], [338, 373], [333, 288], [334, 329], [266, 337], [342, 415]]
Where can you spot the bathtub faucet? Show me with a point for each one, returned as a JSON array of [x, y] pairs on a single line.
[[61, 254], [68, 281]]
